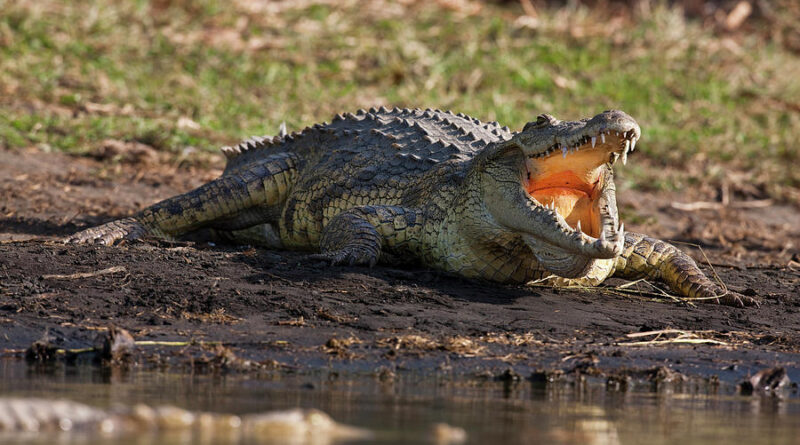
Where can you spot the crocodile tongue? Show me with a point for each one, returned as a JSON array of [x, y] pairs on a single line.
[[571, 198], [571, 186]]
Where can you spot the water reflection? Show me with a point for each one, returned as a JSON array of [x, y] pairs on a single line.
[[404, 408]]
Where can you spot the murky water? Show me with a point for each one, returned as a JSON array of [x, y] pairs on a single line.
[[403, 410]]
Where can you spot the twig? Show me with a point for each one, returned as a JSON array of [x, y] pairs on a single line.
[[709, 205], [622, 289], [529, 9], [630, 283], [176, 343], [74, 276], [678, 340], [658, 332], [687, 337]]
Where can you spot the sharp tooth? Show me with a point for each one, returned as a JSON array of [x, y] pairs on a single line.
[[602, 235], [594, 141], [633, 143], [603, 137], [624, 157], [563, 151], [621, 230], [578, 227], [627, 145]]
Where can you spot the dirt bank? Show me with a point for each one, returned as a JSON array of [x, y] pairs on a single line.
[[278, 309]]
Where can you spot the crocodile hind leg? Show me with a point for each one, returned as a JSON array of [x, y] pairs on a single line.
[[360, 234], [646, 257], [243, 198]]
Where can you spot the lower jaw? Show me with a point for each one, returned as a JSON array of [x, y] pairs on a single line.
[[596, 273], [558, 261]]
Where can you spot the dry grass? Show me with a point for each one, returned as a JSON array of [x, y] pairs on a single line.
[[217, 316], [716, 106]]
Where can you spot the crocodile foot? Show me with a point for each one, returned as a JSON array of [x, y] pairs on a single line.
[[349, 256], [113, 232], [736, 299]]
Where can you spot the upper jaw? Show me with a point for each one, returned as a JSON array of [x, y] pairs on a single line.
[[616, 138]]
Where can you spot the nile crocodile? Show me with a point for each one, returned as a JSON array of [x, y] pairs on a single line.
[[441, 189]]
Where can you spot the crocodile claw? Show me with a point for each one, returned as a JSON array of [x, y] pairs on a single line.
[[114, 232], [736, 299]]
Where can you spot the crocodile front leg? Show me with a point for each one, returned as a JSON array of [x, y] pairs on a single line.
[[646, 257], [235, 201], [359, 235]]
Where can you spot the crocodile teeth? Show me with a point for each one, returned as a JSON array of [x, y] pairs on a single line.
[[603, 137], [563, 151], [633, 143], [627, 145], [624, 157], [578, 227], [594, 141]]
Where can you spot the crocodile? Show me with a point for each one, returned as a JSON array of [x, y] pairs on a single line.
[[22, 417], [435, 188]]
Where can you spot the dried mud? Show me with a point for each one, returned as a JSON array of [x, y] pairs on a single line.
[[274, 309]]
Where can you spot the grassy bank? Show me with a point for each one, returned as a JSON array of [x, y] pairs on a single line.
[[714, 108]]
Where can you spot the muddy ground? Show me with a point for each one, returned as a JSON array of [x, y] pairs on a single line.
[[279, 311]]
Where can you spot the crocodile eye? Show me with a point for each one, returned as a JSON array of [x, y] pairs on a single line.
[[542, 120]]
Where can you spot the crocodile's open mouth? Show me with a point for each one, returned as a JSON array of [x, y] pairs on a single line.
[[570, 179]]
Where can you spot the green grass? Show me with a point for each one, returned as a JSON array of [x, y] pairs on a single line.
[[712, 108]]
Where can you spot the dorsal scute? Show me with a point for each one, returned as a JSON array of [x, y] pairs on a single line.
[[429, 134], [250, 148], [234, 151]]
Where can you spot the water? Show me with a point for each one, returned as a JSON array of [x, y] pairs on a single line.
[[402, 410]]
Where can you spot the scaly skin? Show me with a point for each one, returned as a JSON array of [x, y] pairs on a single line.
[[431, 187]]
